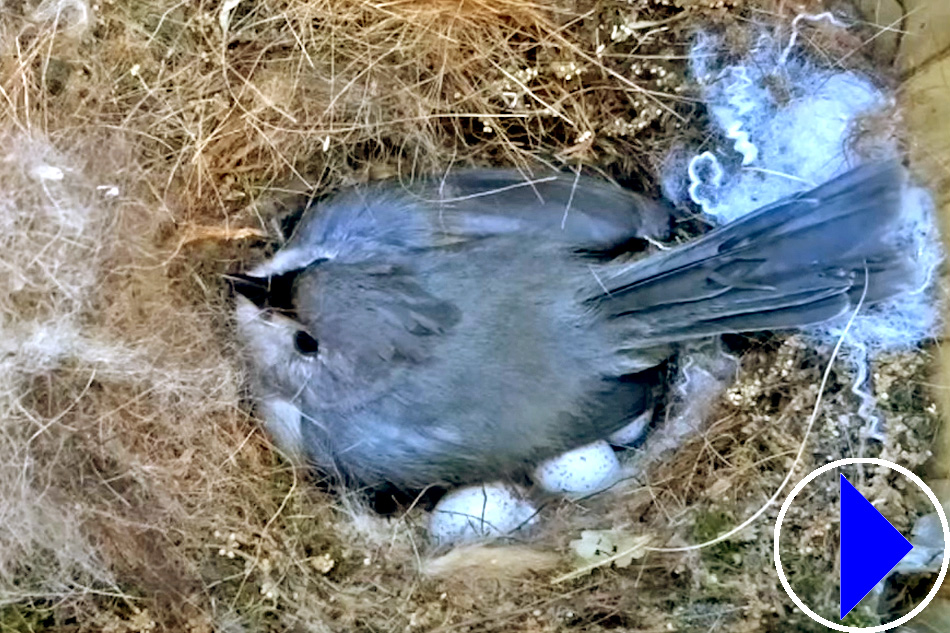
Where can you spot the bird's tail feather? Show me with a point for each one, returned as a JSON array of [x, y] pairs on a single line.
[[802, 260]]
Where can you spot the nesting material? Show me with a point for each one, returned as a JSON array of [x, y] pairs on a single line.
[[139, 494], [479, 561], [787, 125], [706, 371], [50, 226], [101, 381]]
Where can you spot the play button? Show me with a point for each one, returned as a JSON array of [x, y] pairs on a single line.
[[870, 546]]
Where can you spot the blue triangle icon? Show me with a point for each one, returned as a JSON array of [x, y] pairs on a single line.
[[870, 547]]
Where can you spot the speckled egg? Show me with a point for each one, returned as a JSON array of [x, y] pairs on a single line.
[[480, 513], [633, 432], [580, 472]]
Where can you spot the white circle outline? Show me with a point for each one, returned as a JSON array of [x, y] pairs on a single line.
[[943, 523]]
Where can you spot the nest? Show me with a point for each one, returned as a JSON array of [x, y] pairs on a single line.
[[147, 150]]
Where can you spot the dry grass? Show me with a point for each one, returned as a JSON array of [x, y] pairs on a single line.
[[143, 144]]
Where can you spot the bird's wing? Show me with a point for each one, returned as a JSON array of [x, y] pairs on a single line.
[[392, 218], [579, 211], [380, 310]]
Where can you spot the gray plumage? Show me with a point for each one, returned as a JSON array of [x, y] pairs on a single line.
[[458, 329]]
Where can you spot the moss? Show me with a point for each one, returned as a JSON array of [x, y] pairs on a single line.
[[27, 617], [862, 616], [726, 556]]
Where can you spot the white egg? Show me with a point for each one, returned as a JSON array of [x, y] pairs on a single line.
[[480, 513], [633, 432], [580, 472]]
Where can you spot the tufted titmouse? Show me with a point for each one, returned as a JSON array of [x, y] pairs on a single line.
[[464, 328]]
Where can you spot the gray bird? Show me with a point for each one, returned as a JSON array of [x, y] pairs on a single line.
[[467, 327]]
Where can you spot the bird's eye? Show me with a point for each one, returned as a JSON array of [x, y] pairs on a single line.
[[305, 344]]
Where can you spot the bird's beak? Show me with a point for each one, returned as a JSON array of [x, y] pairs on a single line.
[[256, 289], [273, 291]]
